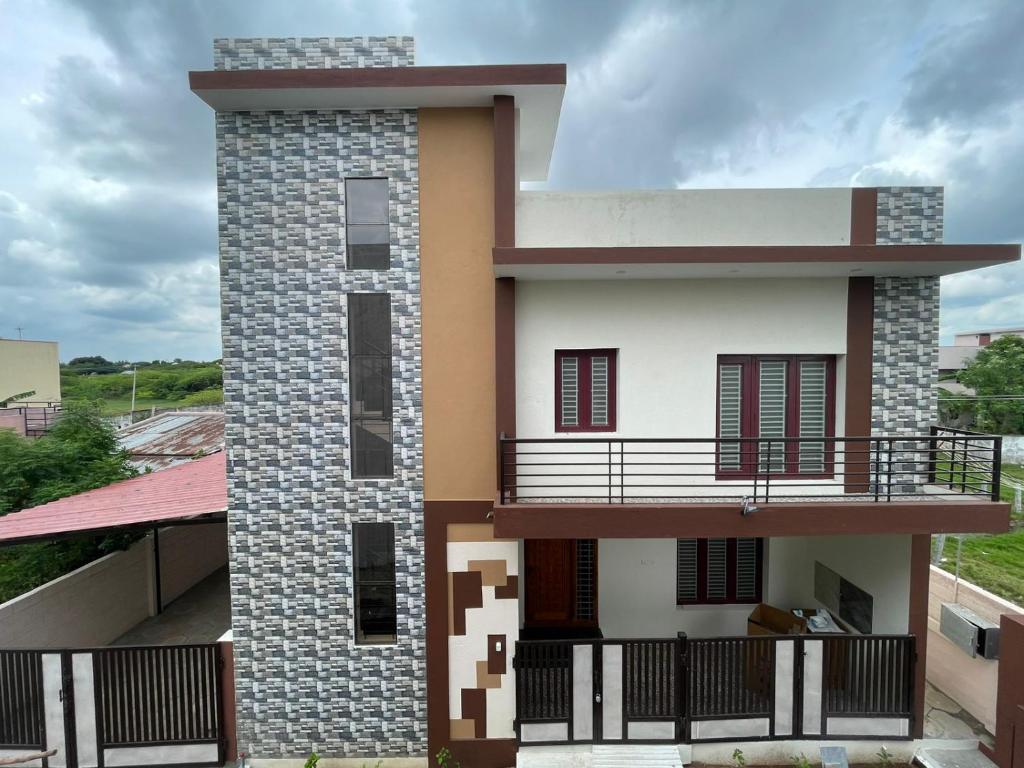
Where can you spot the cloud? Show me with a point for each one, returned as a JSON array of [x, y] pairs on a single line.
[[107, 189]]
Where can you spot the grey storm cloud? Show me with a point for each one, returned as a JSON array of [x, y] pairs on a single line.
[[107, 198]]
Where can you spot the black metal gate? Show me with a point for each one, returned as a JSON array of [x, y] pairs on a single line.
[[128, 705], [594, 691]]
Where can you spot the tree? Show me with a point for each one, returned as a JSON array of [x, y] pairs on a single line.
[[998, 371], [80, 453]]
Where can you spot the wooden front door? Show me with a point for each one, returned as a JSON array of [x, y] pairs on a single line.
[[553, 581]]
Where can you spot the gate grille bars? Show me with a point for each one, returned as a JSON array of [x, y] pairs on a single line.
[[22, 724], [684, 681]]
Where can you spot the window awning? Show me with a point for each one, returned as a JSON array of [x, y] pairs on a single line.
[[188, 493]]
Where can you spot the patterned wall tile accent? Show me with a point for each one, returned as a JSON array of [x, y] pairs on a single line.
[[909, 215], [483, 625], [302, 682], [906, 318], [312, 52]]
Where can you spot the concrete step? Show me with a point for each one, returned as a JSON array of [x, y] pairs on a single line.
[[931, 757], [636, 756]]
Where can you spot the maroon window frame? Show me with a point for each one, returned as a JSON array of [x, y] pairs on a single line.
[[749, 415], [583, 395], [731, 576]]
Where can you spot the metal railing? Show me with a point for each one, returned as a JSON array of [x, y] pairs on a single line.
[[942, 465], [37, 418]]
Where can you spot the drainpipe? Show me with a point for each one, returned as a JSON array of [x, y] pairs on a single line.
[[156, 571]]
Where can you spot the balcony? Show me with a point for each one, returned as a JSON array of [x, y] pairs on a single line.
[[946, 480]]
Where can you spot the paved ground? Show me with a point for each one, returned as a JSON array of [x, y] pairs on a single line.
[[201, 615], [945, 719]]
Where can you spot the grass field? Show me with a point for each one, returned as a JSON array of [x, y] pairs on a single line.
[[117, 406], [995, 563]]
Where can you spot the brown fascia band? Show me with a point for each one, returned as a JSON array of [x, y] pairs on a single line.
[[496, 75], [645, 521], [756, 254]]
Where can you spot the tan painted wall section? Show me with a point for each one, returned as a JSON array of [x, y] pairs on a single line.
[[456, 237], [30, 365]]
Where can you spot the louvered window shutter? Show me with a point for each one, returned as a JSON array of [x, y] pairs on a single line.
[[599, 391], [772, 414], [718, 569], [813, 403], [747, 570], [570, 391], [730, 410], [686, 570]]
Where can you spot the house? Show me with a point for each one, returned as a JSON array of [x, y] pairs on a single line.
[[28, 366], [512, 468], [966, 345]]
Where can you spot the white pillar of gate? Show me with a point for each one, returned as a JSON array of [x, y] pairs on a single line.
[[611, 692], [85, 710], [785, 672], [813, 659], [583, 692]]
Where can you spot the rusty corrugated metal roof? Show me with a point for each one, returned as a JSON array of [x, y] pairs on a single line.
[[186, 491], [173, 438]]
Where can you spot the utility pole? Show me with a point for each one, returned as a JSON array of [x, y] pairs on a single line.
[[19, 329], [131, 415]]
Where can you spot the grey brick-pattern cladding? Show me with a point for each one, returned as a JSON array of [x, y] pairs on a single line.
[[909, 215], [906, 318], [302, 682], [312, 52]]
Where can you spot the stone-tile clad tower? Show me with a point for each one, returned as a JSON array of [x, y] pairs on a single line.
[[303, 682], [906, 328]]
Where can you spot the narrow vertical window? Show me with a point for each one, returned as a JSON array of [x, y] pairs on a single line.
[[376, 605], [730, 424], [686, 571], [570, 391], [772, 414], [367, 232], [717, 570], [585, 390], [813, 414], [748, 571], [369, 344], [586, 570]]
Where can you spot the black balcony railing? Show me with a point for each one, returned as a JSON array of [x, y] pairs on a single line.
[[944, 464]]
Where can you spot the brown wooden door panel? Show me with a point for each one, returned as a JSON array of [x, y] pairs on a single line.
[[550, 581]]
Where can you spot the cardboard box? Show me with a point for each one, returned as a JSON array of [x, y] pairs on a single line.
[[768, 620]]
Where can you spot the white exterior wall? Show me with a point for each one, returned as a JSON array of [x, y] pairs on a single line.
[[683, 217], [668, 334], [637, 583], [99, 602]]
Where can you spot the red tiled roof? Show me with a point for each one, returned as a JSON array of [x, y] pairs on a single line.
[[187, 490]]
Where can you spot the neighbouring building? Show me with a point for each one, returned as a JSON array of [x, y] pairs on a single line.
[[509, 468], [966, 345], [29, 366]]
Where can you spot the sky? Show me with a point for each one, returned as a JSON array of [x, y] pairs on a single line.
[[108, 228]]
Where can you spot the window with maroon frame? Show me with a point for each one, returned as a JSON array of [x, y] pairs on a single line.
[[776, 396], [585, 390], [718, 571]]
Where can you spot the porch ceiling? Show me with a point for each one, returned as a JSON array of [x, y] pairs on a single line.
[[635, 521]]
